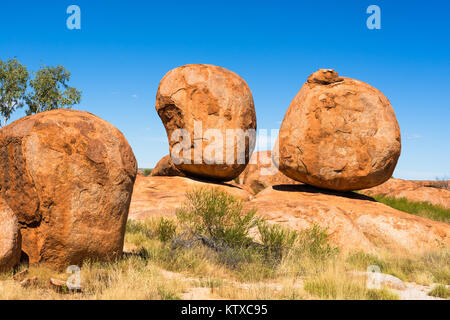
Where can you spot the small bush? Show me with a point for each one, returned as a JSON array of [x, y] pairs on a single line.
[[147, 172], [166, 229], [315, 242], [136, 227], [216, 216], [440, 291], [276, 239]]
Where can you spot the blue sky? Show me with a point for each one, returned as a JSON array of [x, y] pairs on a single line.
[[124, 48]]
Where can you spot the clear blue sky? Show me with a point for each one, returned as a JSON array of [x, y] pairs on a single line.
[[124, 48]]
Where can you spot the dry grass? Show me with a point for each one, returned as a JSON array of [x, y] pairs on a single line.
[[156, 266]]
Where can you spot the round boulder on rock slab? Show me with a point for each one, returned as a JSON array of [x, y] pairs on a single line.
[[339, 134], [210, 120], [10, 239], [68, 176]]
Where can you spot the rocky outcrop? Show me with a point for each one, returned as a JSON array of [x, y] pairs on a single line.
[[202, 107], [10, 239], [354, 221], [161, 196], [68, 177], [261, 173], [416, 191], [339, 134], [166, 168]]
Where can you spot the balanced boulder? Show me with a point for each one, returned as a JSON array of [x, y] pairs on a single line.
[[68, 177], [338, 133], [10, 239], [210, 120]]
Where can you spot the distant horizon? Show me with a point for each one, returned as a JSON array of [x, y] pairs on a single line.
[[123, 50]]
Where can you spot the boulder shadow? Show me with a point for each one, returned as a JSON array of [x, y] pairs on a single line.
[[310, 189], [212, 181]]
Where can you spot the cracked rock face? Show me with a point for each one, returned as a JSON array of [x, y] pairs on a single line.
[[68, 177], [339, 134], [197, 98], [10, 239]]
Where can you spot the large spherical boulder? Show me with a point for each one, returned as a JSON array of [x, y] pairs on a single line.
[[68, 176], [338, 133], [199, 105], [10, 239]]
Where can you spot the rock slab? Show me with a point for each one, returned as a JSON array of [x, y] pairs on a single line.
[[160, 196], [353, 221]]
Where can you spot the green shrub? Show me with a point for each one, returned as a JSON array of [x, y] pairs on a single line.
[[136, 227], [147, 172], [166, 229], [216, 216], [315, 242], [440, 291], [276, 239]]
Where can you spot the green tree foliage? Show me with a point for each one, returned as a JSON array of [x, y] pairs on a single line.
[[50, 90], [47, 90], [13, 84]]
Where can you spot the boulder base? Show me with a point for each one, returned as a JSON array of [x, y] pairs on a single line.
[[10, 238]]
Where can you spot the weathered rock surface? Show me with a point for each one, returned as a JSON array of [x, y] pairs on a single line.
[[354, 221], [261, 173], [200, 97], [416, 191], [68, 177], [166, 168], [10, 239], [161, 196], [339, 134]]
